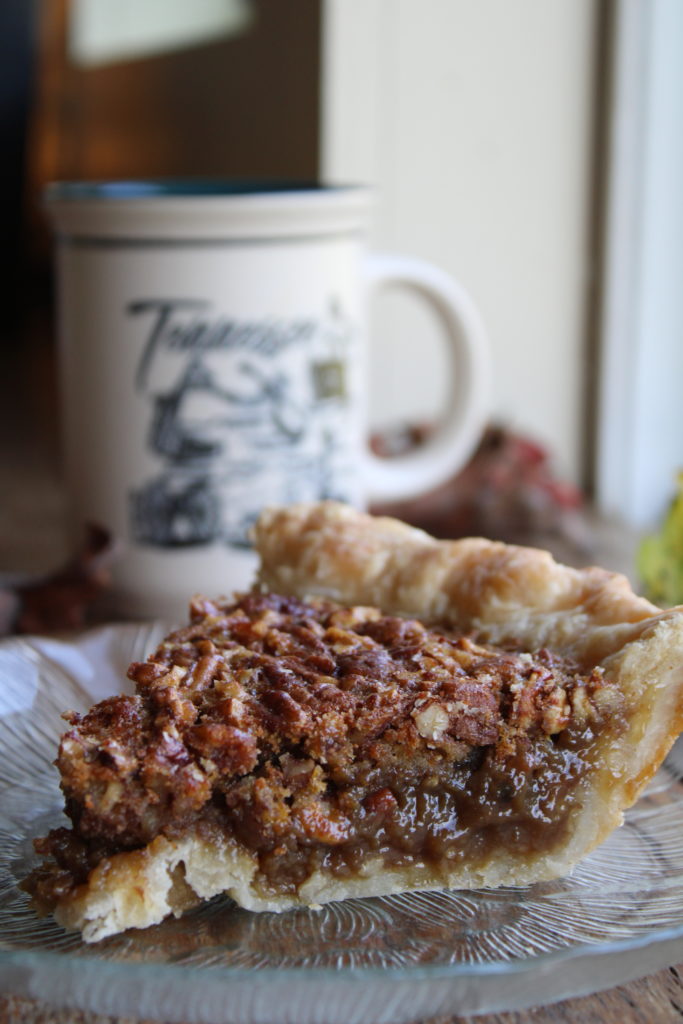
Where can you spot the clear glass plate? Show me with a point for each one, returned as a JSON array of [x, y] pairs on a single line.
[[393, 959]]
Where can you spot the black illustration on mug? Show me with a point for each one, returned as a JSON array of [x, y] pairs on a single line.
[[247, 419]]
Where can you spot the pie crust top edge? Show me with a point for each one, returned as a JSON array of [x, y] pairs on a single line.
[[505, 592]]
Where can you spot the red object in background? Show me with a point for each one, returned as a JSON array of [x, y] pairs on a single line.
[[506, 492], [63, 600]]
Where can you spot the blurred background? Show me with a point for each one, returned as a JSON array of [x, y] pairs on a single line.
[[533, 149]]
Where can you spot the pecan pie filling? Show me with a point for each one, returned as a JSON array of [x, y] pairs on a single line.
[[322, 737]]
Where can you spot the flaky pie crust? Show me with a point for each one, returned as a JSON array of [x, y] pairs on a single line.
[[508, 595]]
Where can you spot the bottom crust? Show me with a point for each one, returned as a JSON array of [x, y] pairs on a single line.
[[141, 888]]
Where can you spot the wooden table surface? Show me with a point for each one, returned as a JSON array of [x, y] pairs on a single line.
[[32, 537]]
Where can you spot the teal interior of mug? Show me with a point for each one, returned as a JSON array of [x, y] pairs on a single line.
[[169, 187]]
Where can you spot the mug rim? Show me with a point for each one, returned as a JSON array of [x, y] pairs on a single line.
[[186, 187], [201, 209]]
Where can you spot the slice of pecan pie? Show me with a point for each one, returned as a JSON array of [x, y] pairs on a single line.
[[384, 712]]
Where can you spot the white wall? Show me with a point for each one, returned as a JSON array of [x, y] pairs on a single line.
[[474, 120]]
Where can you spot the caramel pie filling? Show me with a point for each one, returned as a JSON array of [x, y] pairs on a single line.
[[320, 736]]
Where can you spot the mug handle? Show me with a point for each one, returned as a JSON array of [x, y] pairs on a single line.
[[405, 476]]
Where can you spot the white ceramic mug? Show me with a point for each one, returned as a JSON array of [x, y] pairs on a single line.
[[214, 361]]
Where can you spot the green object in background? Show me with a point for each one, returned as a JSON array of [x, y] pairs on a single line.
[[660, 557]]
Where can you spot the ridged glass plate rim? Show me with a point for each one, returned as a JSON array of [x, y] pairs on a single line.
[[352, 973]]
